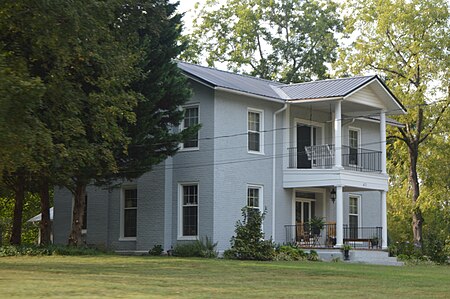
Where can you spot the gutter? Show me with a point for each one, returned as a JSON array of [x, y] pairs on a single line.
[[314, 100], [273, 165]]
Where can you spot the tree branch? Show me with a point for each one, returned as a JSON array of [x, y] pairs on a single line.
[[435, 123]]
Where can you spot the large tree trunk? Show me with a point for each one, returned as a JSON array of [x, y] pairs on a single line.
[[417, 219], [19, 190], [45, 224], [77, 216]]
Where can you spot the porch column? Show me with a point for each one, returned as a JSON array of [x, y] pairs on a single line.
[[339, 217], [337, 135], [383, 141], [383, 220]]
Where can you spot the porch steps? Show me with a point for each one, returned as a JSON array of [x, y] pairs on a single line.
[[374, 257]]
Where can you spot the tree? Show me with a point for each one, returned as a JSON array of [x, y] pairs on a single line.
[[285, 40], [152, 29], [72, 50], [407, 42]]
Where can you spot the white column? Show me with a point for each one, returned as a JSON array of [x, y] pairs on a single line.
[[339, 217], [383, 141], [337, 135], [383, 220]]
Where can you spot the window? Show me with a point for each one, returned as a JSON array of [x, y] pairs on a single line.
[[129, 213], [353, 215], [84, 225], [353, 143], [191, 118], [189, 211], [254, 128], [253, 197]]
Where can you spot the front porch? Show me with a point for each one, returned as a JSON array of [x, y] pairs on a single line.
[[307, 235]]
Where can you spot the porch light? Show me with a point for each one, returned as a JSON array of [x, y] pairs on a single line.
[[333, 195]]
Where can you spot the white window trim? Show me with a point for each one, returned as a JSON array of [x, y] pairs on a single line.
[[261, 131], [182, 127], [358, 197], [261, 195], [358, 130], [180, 211], [122, 212]]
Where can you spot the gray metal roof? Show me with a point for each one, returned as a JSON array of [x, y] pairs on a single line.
[[320, 89], [232, 81], [325, 88]]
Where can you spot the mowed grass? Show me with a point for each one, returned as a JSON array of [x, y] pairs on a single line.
[[163, 277]]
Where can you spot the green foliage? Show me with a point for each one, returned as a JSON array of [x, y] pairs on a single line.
[[290, 253], [156, 250], [313, 256], [34, 250], [198, 248], [406, 42], [290, 41], [31, 208], [249, 243]]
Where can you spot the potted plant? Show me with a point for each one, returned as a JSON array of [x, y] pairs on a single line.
[[316, 224], [346, 249]]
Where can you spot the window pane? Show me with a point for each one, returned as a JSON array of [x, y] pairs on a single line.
[[254, 131], [130, 223], [130, 198], [253, 141], [190, 220], [190, 210], [353, 205], [191, 119], [253, 197]]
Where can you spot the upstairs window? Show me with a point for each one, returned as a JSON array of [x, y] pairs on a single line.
[[254, 129], [353, 142], [191, 118]]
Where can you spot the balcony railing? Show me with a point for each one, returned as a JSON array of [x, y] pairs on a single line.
[[322, 157], [305, 235]]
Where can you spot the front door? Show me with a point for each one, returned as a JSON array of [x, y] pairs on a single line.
[[303, 139]]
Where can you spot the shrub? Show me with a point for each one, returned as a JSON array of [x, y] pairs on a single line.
[[157, 250], [35, 250], [290, 253], [313, 256], [249, 243], [198, 248]]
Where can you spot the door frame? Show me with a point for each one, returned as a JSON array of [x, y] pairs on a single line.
[[311, 124], [294, 200]]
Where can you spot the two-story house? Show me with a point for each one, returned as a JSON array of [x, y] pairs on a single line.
[[299, 152]]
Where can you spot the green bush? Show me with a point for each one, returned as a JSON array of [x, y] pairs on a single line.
[[435, 248], [157, 250], [290, 253], [35, 250], [198, 248], [249, 243], [313, 256]]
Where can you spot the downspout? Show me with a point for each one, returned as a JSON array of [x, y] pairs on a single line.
[[273, 165]]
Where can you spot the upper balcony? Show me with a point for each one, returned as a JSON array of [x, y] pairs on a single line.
[[322, 157]]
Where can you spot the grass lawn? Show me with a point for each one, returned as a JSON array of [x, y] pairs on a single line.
[[154, 277]]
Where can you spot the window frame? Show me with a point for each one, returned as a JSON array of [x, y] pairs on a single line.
[[358, 148], [122, 212], [181, 186], [182, 127], [260, 189], [358, 206], [261, 130]]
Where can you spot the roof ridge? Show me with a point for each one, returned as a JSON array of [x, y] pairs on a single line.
[[232, 73], [327, 80]]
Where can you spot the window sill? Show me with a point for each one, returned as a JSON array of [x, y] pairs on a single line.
[[187, 238], [127, 239], [256, 153], [189, 149]]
